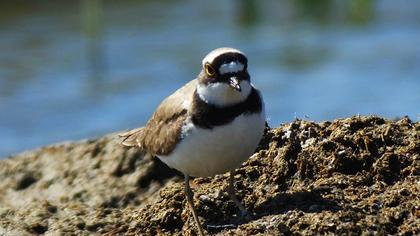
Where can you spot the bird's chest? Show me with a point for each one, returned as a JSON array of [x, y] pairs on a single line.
[[206, 152], [225, 137]]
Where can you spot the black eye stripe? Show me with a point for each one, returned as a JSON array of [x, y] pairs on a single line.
[[229, 57], [220, 60], [242, 75]]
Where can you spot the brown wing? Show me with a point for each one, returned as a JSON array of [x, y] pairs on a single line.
[[130, 137], [162, 131]]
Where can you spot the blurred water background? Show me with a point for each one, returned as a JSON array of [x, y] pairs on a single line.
[[79, 69]]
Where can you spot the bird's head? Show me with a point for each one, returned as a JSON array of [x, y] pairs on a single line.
[[224, 79]]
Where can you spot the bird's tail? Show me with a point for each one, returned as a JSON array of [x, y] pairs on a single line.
[[131, 138]]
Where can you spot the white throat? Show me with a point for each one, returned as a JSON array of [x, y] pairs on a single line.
[[222, 95]]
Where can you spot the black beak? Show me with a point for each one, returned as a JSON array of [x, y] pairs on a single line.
[[234, 83]]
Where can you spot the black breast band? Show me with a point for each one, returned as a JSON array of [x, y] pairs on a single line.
[[208, 116]]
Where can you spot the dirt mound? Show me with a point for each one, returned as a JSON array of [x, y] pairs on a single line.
[[355, 175]]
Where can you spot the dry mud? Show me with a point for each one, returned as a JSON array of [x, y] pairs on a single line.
[[355, 176]]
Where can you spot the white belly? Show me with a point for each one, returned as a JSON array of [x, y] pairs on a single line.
[[207, 152]]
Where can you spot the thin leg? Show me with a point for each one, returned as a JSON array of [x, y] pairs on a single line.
[[189, 194], [231, 192]]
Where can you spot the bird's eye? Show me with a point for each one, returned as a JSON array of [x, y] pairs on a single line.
[[209, 70]]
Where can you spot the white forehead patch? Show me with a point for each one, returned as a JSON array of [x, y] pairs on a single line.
[[217, 52], [232, 67]]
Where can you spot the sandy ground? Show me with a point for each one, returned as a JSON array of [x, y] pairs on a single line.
[[359, 175]]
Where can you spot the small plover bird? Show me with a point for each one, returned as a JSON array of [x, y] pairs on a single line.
[[209, 126]]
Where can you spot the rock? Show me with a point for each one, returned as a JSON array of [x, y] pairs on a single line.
[[358, 175]]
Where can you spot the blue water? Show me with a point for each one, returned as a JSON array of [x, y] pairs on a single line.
[[310, 65]]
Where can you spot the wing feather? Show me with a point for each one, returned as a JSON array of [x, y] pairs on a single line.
[[131, 137], [163, 130]]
